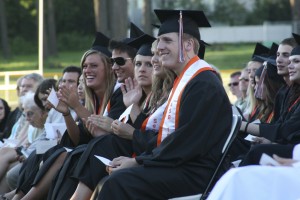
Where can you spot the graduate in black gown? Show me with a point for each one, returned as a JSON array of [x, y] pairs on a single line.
[[194, 127], [285, 131], [122, 67]]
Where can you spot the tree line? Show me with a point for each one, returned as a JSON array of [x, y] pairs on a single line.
[[71, 24]]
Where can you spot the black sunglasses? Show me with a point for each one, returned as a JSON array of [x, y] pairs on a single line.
[[233, 84], [119, 61]]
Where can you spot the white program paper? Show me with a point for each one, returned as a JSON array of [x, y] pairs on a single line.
[[52, 98], [250, 138], [55, 130], [105, 161]]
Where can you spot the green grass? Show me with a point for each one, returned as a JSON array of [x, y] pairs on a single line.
[[30, 62], [233, 56], [223, 56], [226, 57]]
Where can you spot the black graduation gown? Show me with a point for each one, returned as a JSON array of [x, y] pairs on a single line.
[[185, 160], [279, 102], [287, 129], [64, 184], [89, 169]]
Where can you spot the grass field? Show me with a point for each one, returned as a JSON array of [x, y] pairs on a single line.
[[227, 58]]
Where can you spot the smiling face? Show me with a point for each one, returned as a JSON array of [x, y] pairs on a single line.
[[156, 63], [143, 71], [94, 71], [282, 60], [294, 68], [122, 71], [167, 47]]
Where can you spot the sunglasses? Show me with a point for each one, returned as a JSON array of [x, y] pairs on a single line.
[[244, 79], [233, 84], [119, 61]]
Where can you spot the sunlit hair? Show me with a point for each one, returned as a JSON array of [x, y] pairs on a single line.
[[161, 86], [196, 42], [109, 82]]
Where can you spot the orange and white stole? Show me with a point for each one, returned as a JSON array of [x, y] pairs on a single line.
[[153, 121], [107, 108], [170, 118]]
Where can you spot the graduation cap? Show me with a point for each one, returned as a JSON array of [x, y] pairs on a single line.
[[135, 32], [260, 50], [296, 50], [143, 44], [297, 38], [271, 57], [191, 21], [202, 47], [101, 43]]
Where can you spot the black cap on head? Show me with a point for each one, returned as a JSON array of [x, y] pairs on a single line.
[[296, 50], [143, 44], [297, 38], [191, 20], [135, 32], [271, 57], [101, 43], [260, 50]]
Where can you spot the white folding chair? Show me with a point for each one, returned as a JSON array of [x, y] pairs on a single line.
[[235, 127]]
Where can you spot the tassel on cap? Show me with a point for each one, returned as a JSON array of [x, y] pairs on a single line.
[[180, 41]]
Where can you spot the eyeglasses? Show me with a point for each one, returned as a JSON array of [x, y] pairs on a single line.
[[119, 61], [243, 79], [233, 84]]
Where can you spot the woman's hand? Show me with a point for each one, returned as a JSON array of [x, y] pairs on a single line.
[[261, 140], [122, 130], [69, 95], [132, 92], [93, 127], [102, 122], [121, 163]]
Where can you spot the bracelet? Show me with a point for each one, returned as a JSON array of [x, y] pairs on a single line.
[[246, 127], [66, 114]]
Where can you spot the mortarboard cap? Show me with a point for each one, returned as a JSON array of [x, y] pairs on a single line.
[[191, 20], [260, 50], [271, 57], [143, 44], [297, 38], [135, 32], [296, 50], [101, 43]]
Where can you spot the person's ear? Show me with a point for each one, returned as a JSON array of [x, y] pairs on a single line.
[[188, 45]]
